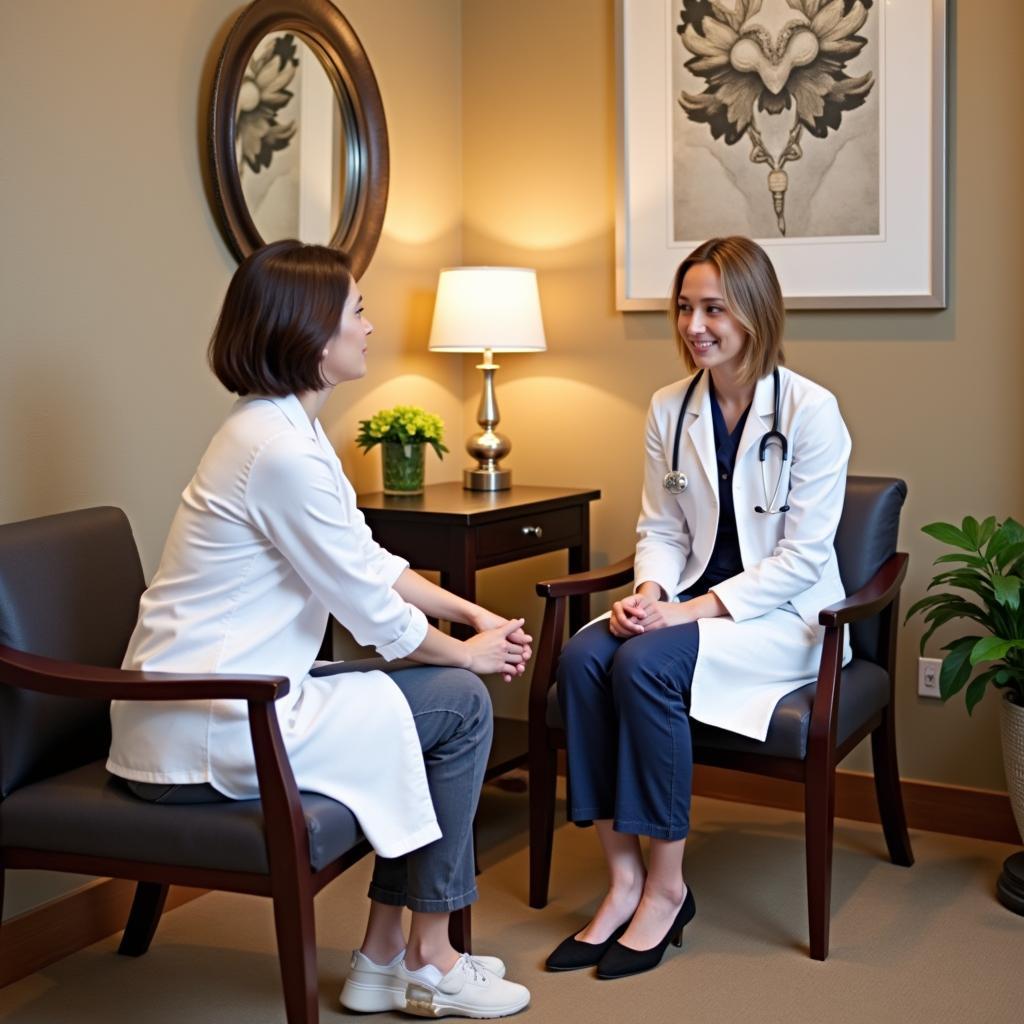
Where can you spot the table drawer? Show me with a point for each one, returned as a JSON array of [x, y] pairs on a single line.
[[525, 533]]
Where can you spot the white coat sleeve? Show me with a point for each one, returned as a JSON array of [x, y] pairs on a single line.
[[664, 535], [387, 566], [292, 495], [820, 446]]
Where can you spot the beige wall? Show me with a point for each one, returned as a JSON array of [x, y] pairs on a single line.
[[934, 397]]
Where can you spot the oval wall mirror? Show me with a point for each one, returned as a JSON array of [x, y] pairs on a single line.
[[298, 144]]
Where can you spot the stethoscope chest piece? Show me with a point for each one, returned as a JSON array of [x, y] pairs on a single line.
[[675, 482]]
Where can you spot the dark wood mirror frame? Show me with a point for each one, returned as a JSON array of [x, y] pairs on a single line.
[[324, 29]]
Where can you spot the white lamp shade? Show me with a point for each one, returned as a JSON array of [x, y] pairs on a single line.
[[495, 308]]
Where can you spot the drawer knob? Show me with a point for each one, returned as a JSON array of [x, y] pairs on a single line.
[[533, 531]]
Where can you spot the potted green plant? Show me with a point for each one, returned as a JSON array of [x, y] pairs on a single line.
[[403, 433], [981, 581]]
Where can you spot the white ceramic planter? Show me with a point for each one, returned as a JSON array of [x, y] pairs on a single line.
[[1011, 727]]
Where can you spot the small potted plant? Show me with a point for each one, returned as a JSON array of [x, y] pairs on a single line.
[[402, 432], [986, 573]]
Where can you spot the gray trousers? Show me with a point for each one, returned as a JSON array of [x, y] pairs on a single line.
[[452, 711]]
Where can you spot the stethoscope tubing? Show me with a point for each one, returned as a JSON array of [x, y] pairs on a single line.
[[676, 482]]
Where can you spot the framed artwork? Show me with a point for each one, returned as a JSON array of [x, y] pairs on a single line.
[[817, 127]]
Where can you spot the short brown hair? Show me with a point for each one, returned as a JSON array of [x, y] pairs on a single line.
[[282, 306], [752, 293]]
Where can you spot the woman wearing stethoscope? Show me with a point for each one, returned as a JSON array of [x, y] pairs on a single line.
[[745, 472]]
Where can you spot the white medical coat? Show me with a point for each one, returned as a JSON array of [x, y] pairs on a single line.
[[266, 542], [770, 642]]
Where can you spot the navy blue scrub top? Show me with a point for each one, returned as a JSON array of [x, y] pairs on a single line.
[[726, 561]]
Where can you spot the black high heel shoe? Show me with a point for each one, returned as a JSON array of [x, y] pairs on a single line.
[[620, 961], [573, 955]]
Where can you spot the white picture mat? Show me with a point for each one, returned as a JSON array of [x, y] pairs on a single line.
[[903, 266]]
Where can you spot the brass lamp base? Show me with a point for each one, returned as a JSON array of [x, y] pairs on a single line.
[[486, 479]]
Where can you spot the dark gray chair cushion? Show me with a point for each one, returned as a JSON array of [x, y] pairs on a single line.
[[98, 816], [864, 690], [69, 589]]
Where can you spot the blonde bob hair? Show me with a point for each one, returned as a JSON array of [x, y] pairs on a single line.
[[752, 294]]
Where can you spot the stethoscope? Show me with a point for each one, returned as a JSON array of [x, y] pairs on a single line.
[[675, 481]]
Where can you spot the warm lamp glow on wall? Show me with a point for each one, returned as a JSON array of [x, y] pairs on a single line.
[[487, 309]]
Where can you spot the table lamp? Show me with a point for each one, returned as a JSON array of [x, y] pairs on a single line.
[[487, 309]]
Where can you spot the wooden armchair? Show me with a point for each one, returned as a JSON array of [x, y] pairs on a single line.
[[812, 729], [69, 593]]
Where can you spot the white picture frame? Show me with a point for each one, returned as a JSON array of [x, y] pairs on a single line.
[[902, 264]]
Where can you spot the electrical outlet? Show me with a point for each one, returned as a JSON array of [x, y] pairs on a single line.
[[928, 670]]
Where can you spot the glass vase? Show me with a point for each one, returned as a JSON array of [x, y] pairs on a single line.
[[403, 467]]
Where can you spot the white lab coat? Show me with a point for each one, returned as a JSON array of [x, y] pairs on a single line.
[[266, 541], [770, 642]]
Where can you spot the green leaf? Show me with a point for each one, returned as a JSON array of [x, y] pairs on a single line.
[[1007, 590], [967, 611], [956, 666], [949, 534], [997, 545], [1013, 530], [938, 617], [993, 648], [971, 529], [976, 691], [975, 561], [965, 579], [988, 527], [1010, 553], [925, 602]]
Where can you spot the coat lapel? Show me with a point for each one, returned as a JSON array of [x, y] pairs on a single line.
[[759, 419], [702, 433]]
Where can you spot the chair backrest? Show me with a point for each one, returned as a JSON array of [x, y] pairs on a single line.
[[866, 537], [69, 589]]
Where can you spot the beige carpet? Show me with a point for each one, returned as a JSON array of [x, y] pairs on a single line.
[[922, 945]]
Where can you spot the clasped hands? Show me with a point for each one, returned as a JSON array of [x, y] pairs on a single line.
[[644, 611], [500, 645]]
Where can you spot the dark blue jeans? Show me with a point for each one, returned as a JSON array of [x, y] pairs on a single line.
[[625, 704]]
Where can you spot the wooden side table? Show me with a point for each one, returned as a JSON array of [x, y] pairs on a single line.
[[456, 532]]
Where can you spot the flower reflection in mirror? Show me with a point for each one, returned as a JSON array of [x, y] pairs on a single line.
[[262, 95]]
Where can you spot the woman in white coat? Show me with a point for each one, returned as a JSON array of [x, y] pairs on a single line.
[[266, 543], [745, 473]]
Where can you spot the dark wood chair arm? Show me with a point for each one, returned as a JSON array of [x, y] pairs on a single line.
[[878, 592], [882, 590], [286, 835], [73, 679], [591, 582]]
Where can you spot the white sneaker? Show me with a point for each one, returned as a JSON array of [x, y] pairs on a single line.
[[371, 987], [467, 990]]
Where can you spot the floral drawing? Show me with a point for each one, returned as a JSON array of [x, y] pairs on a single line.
[[263, 93], [767, 59]]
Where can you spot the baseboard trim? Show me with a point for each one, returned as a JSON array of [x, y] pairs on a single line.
[[933, 807], [45, 934]]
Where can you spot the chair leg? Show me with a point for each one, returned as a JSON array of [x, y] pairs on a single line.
[[889, 791], [460, 930], [296, 950], [147, 906], [819, 817], [542, 770]]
